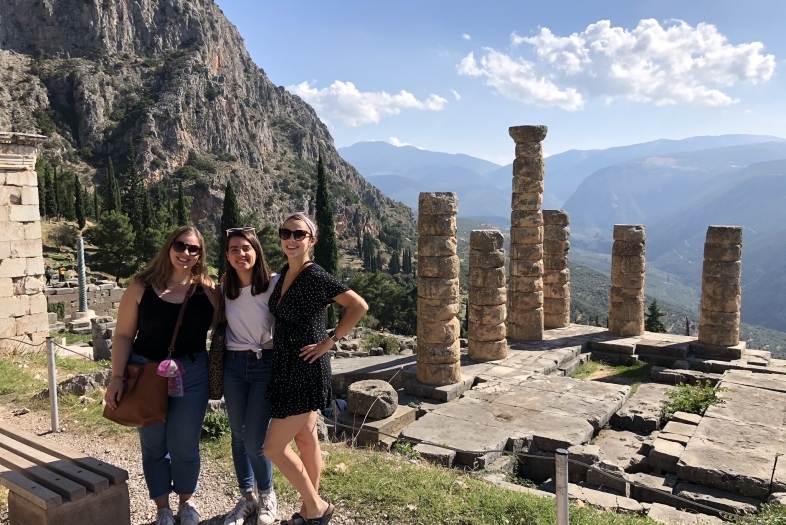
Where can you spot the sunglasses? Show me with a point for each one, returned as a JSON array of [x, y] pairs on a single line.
[[192, 249], [243, 229], [286, 233]]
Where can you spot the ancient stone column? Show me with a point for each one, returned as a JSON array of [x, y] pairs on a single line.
[[487, 296], [626, 317], [22, 302], [438, 348], [719, 320], [525, 301], [556, 276]]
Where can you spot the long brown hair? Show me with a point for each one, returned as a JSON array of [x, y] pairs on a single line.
[[159, 270], [260, 273]]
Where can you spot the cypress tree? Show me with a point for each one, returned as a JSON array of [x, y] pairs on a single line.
[[79, 203], [359, 246], [96, 209], [56, 191], [51, 195], [135, 193], [182, 212], [42, 193], [230, 218], [652, 322], [111, 190], [326, 250], [394, 267], [687, 326]]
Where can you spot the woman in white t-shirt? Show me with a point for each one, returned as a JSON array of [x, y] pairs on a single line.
[[248, 361]]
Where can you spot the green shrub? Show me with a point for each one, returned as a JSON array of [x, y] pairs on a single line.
[[388, 343], [215, 425], [64, 234], [406, 449], [226, 157], [693, 399], [59, 308]]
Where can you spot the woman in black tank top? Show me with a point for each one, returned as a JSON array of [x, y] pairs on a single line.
[[145, 324]]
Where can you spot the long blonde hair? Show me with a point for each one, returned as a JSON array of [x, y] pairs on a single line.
[[159, 270]]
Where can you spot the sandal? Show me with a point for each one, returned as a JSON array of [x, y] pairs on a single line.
[[326, 517], [296, 519]]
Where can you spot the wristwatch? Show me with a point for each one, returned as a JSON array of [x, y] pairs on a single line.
[[333, 336]]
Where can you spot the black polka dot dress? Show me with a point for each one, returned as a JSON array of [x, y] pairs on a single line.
[[297, 386]]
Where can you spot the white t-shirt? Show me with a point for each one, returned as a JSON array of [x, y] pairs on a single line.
[[249, 321]]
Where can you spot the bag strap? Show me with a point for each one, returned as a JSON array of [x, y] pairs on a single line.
[[180, 318]]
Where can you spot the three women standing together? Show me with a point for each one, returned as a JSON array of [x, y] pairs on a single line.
[[277, 371]]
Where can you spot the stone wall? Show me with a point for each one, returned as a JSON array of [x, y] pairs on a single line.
[[22, 303], [103, 298]]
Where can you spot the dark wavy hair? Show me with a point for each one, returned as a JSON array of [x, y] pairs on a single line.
[[260, 273]]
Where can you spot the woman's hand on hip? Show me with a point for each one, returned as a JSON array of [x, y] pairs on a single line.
[[311, 353]]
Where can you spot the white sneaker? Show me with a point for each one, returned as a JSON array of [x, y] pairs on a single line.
[[187, 514], [243, 509], [165, 517], [268, 509]]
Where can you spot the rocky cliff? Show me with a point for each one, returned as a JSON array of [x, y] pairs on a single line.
[[174, 78]]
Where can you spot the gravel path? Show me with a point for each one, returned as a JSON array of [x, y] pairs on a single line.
[[217, 489]]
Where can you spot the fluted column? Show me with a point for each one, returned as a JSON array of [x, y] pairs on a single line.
[[719, 320], [438, 349], [525, 300], [626, 317], [487, 296], [556, 276]]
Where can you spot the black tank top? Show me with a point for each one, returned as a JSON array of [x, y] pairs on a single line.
[[156, 321]]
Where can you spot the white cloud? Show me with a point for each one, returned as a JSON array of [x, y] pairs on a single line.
[[398, 143], [455, 94], [670, 64], [466, 37], [344, 101]]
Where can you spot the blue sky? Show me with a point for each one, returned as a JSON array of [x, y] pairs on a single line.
[[452, 76]]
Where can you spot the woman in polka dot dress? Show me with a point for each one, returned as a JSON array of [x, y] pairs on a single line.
[[300, 386]]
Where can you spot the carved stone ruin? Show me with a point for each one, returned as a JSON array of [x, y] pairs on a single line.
[[487, 296], [556, 276], [22, 302], [438, 347], [719, 320], [525, 312], [626, 317]]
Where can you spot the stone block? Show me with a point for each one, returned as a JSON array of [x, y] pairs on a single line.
[[487, 350], [5, 250], [555, 248], [30, 196], [555, 264], [37, 304], [438, 288], [432, 310], [487, 314], [486, 240], [7, 327], [682, 429], [436, 455], [686, 418], [440, 332], [23, 248], [372, 398], [715, 498], [486, 277], [665, 455], [556, 319], [436, 246], [439, 354], [371, 433], [437, 203], [527, 185], [525, 300], [620, 295], [441, 225], [626, 328], [556, 290], [486, 296], [446, 266], [526, 252], [665, 514], [527, 134], [607, 474], [520, 283], [526, 201], [486, 332], [529, 149], [6, 287], [718, 336], [730, 270], [33, 323], [438, 374], [32, 230], [526, 268], [483, 259], [635, 264], [526, 219], [560, 277], [635, 233], [628, 249], [724, 235], [631, 310], [716, 297], [622, 280], [724, 320], [11, 231], [722, 252], [15, 267], [21, 178], [556, 304], [24, 213], [10, 195], [555, 232], [34, 266], [528, 168]]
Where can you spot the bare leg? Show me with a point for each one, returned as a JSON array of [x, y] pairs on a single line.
[[310, 453], [278, 450]]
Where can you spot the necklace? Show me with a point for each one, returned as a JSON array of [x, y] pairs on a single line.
[[179, 283]]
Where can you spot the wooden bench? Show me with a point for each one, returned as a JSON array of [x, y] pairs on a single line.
[[50, 484]]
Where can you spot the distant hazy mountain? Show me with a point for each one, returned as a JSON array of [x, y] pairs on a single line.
[[381, 158]]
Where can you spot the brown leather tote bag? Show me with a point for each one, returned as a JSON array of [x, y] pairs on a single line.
[[145, 393]]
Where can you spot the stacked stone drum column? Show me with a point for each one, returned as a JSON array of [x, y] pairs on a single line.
[[556, 276], [487, 296], [525, 312], [626, 317], [438, 348], [719, 321]]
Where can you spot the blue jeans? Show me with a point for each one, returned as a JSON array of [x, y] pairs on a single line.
[[170, 450], [245, 382]]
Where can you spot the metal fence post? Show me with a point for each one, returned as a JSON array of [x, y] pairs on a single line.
[[561, 479], [50, 364]]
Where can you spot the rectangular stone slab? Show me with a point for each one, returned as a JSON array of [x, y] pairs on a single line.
[[625, 346], [772, 382], [666, 348], [688, 419], [682, 429], [677, 438], [371, 432], [643, 411], [717, 499], [671, 516], [665, 455]]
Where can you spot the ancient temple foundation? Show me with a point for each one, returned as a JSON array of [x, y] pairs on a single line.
[[525, 301], [626, 316], [719, 320], [556, 276], [487, 296], [438, 290], [22, 302]]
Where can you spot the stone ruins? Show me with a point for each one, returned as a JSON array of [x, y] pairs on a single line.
[[719, 321], [556, 275], [626, 316], [487, 296]]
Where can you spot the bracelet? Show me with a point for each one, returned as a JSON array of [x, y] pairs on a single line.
[[122, 378]]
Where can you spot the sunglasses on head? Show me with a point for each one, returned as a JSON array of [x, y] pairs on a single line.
[[285, 233], [243, 229], [192, 249]]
